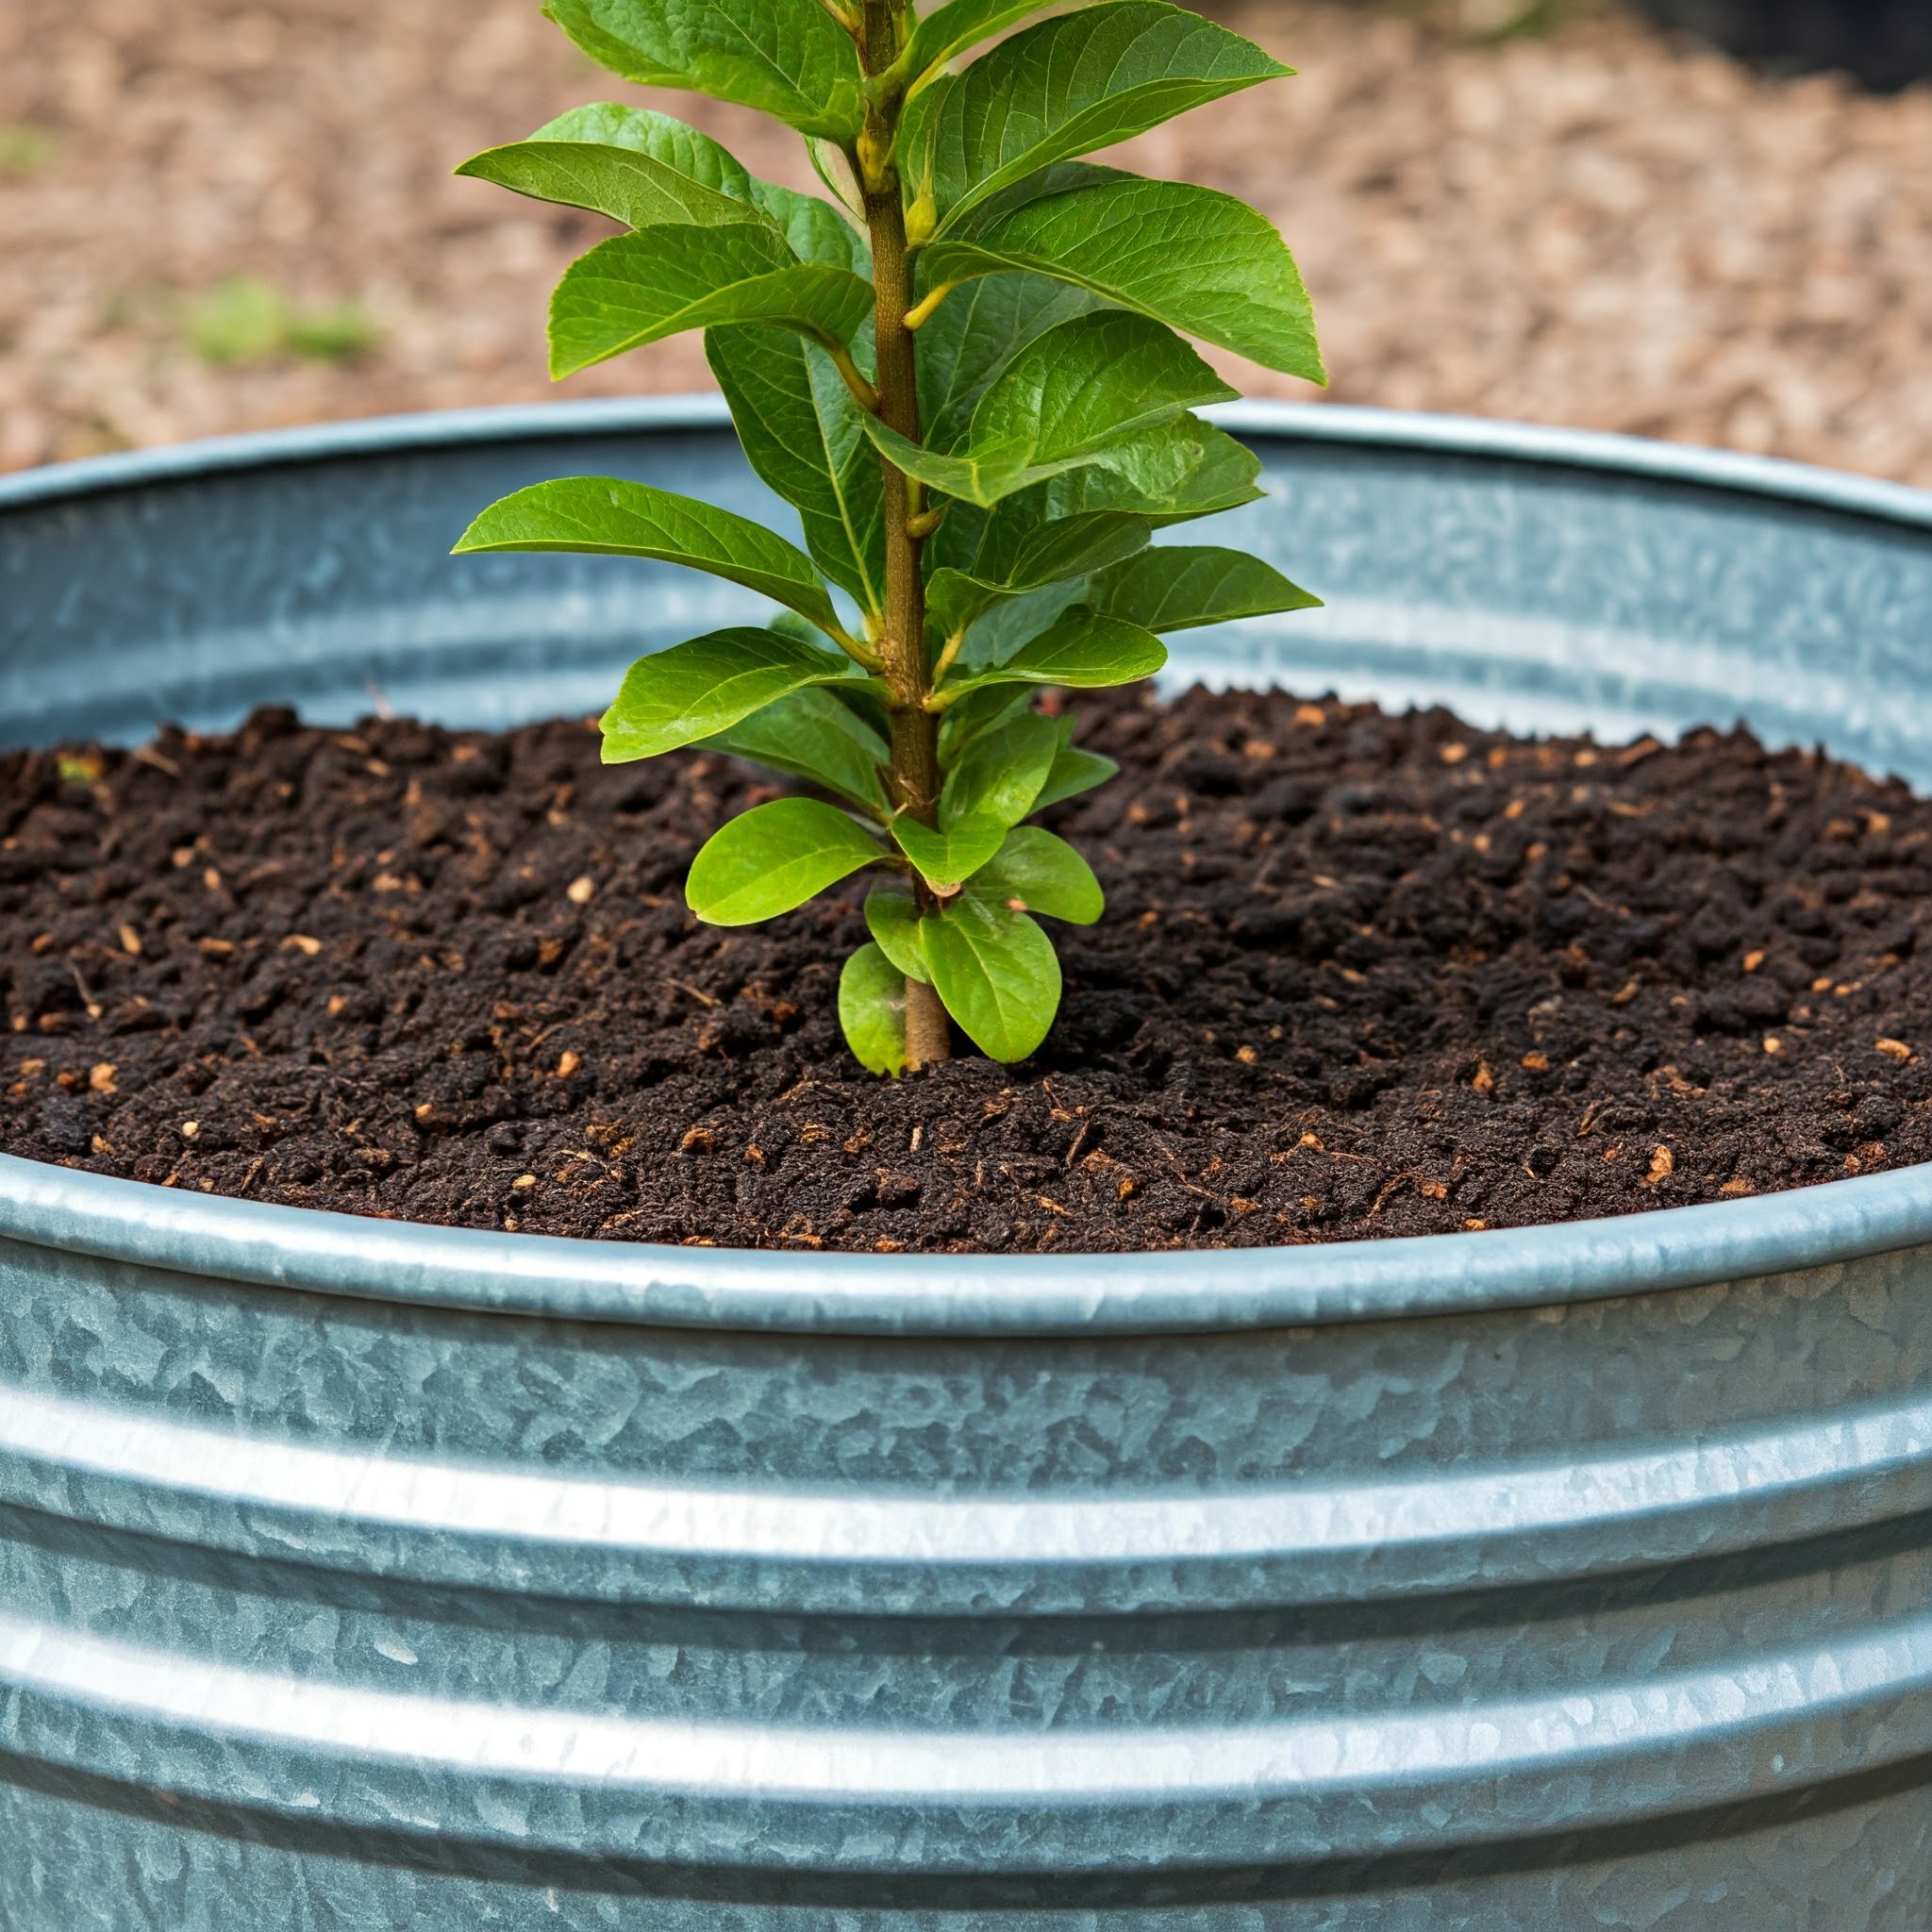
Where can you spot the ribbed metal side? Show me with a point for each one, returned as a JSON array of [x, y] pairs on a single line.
[[357, 1577]]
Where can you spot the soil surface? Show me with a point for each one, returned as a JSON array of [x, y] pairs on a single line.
[[1360, 974]]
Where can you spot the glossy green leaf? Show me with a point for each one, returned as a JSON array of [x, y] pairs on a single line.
[[1000, 773], [946, 860], [787, 57], [816, 230], [1072, 393], [1192, 258], [578, 168], [1075, 771], [1183, 470], [1067, 547], [814, 734], [639, 287], [634, 188], [1076, 83], [773, 857], [948, 31], [800, 431], [611, 517], [1035, 872], [1080, 649], [872, 1012], [1000, 632], [974, 333], [699, 689], [997, 974], [1179, 586], [662, 136], [981, 711], [892, 916]]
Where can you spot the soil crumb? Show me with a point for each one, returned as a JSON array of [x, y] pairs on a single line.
[[1360, 974]]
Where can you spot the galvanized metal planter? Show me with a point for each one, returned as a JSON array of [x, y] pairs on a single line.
[[359, 1575]]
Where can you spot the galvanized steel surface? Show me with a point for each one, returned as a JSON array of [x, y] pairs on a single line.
[[354, 1576]]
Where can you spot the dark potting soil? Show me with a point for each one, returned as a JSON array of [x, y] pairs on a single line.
[[1360, 974]]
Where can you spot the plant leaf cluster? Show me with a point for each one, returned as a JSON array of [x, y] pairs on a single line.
[[967, 369]]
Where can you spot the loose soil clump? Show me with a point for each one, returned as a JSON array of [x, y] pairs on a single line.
[[1360, 974]]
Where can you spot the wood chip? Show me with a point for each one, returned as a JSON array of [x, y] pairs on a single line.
[[301, 943], [1894, 1049], [101, 1078], [580, 892]]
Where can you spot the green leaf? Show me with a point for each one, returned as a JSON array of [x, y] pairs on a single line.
[[949, 30], [611, 517], [1067, 547], [1179, 586], [650, 140], [813, 734], [973, 335], [997, 974], [892, 916], [800, 431], [1081, 649], [787, 57], [816, 230], [1199, 260], [1074, 772], [1035, 872], [639, 287], [634, 188], [946, 860], [1072, 393], [1171, 474], [773, 857], [1000, 773], [662, 136], [977, 711], [1000, 632], [699, 689], [1183, 470], [871, 1009], [1076, 83]]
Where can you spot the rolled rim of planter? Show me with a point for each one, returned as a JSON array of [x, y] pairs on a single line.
[[1197, 1289]]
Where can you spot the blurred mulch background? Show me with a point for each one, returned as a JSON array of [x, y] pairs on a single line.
[[218, 217]]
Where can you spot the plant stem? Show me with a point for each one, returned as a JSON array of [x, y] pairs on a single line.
[[915, 768]]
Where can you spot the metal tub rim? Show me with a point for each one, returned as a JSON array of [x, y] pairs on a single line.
[[1196, 1290]]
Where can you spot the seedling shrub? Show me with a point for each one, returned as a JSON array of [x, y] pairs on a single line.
[[966, 371]]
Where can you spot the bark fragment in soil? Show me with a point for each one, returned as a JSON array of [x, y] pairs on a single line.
[[1360, 974]]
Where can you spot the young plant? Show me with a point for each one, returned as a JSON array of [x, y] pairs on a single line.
[[966, 372]]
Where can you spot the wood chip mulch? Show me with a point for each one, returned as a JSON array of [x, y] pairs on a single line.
[[1597, 225]]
